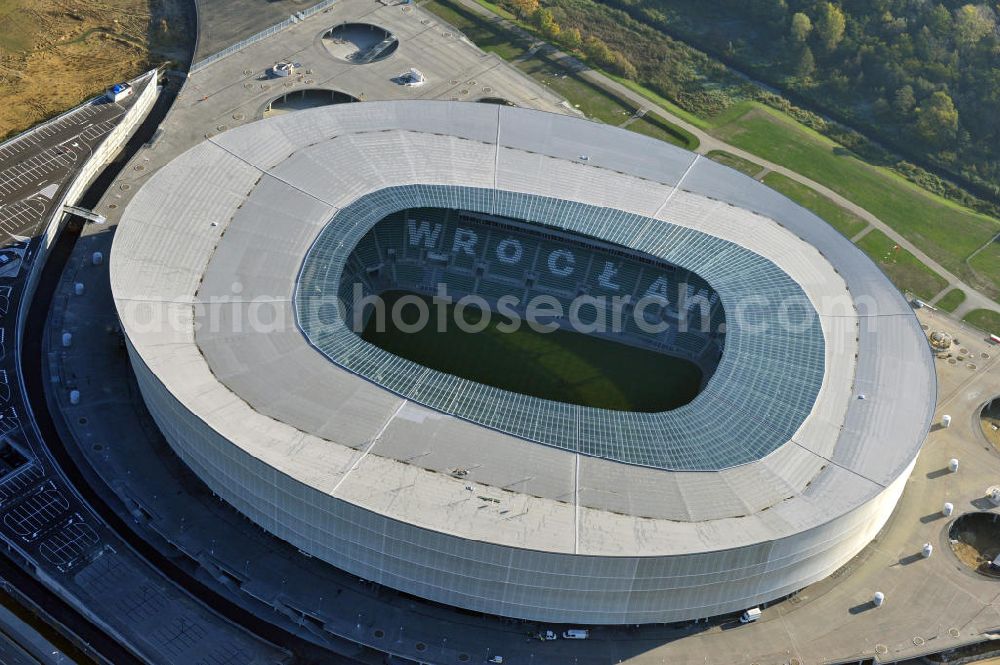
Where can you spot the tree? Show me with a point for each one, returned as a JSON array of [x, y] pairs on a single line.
[[830, 26], [547, 24], [572, 38], [806, 65], [882, 108], [596, 49], [767, 10], [972, 23], [939, 22], [524, 8], [904, 101], [623, 66], [801, 27], [937, 119]]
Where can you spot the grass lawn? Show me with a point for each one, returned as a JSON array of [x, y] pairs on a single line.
[[951, 300], [497, 9], [659, 128], [985, 319], [562, 366], [632, 85], [734, 162], [843, 220], [905, 271], [487, 36], [592, 101], [945, 231], [986, 264], [663, 102]]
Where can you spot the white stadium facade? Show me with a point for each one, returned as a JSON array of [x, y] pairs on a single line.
[[818, 386]]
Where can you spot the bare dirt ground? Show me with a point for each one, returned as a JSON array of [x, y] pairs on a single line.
[[56, 53]]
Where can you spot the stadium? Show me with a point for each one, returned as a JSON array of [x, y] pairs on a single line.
[[785, 386]]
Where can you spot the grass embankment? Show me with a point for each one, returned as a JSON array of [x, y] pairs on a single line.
[[735, 162], [984, 319], [902, 268], [843, 220], [592, 100], [947, 232], [654, 125], [951, 300], [562, 366], [986, 263], [487, 35]]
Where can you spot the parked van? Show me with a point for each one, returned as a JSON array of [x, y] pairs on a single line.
[[576, 634], [750, 615]]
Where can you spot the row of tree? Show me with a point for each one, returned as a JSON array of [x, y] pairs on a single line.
[[572, 38]]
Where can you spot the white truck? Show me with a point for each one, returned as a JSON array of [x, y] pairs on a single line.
[[750, 615], [576, 634], [118, 92]]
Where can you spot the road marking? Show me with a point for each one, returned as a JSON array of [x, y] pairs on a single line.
[[36, 137], [21, 216], [48, 191]]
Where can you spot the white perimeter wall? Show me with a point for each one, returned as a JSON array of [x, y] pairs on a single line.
[[501, 580]]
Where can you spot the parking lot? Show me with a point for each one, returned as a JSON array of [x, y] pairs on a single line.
[[35, 169], [35, 166]]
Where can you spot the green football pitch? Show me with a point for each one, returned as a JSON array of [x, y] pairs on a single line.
[[562, 366]]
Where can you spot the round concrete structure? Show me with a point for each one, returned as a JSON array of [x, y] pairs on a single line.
[[360, 43], [773, 477]]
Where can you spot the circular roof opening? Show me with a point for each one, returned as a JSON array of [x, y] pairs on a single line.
[[975, 540], [360, 43], [308, 98]]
